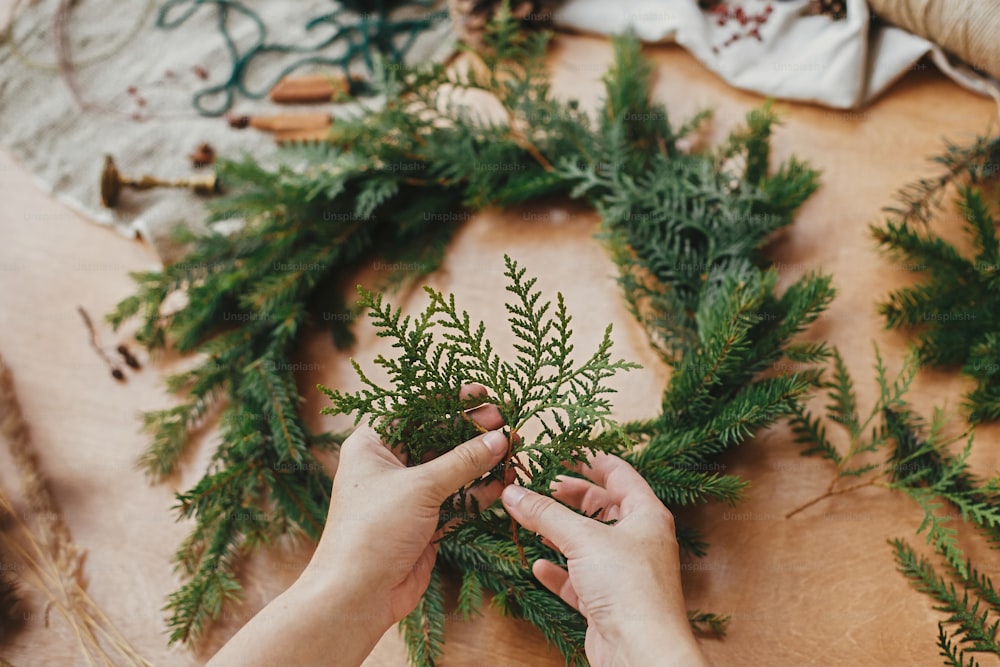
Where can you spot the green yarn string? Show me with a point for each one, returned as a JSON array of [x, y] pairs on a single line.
[[361, 26]]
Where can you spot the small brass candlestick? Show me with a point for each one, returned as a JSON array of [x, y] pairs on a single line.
[[112, 182]]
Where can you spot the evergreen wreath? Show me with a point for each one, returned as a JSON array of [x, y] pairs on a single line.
[[685, 228]]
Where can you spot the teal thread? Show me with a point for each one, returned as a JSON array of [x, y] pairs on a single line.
[[362, 25]]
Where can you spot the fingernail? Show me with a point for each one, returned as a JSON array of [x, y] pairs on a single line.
[[496, 442], [512, 495]]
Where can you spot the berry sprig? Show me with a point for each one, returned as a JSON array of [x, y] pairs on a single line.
[[747, 24]]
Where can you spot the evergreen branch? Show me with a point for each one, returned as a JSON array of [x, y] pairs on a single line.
[[974, 627], [707, 624], [953, 656], [954, 310], [975, 163], [919, 465], [423, 628], [418, 409]]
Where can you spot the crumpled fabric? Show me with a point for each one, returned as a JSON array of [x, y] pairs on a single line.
[[841, 64]]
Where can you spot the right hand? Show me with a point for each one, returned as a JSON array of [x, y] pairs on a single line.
[[625, 577]]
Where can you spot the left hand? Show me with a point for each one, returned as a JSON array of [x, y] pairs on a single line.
[[382, 527]]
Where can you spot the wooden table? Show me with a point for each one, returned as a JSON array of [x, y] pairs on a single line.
[[817, 589]]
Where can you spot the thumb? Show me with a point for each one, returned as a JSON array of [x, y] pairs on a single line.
[[540, 514], [467, 462]]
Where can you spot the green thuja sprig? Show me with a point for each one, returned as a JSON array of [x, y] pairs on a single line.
[[421, 412], [955, 308], [916, 461], [420, 408]]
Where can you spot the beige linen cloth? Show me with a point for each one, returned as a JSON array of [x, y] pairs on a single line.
[[807, 58], [64, 146], [840, 64]]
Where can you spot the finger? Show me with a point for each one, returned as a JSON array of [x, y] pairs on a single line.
[[581, 494], [364, 441], [398, 450], [477, 499], [487, 416], [418, 579], [556, 579], [623, 483], [467, 462], [545, 516], [472, 390]]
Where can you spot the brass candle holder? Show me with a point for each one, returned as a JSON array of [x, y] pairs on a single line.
[[113, 182]]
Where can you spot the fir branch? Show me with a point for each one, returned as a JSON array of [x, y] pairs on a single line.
[[708, 624], [917, 463], [974, 627], [423, 628], [953, 656], [954, 309]]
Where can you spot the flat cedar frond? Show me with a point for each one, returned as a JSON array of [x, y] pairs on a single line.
[[440, 349], [954, 310]]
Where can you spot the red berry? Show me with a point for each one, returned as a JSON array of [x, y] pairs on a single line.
[[141, 101], [721, 21], [131, 90]]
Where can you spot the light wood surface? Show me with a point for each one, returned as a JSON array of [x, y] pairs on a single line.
[[818, 589]]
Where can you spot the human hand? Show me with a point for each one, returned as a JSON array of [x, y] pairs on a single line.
[[375, 558], [382, 527], [624, 578]]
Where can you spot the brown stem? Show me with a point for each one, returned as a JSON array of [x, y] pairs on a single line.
[[116, 372], [830, 493], [479, 427], [506, 469]]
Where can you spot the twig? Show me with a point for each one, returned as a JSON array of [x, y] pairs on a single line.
[[830, 493], [54, 562], [116, 372], [506, 469]]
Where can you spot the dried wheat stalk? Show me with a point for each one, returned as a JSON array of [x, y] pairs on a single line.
[[53, 562]]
